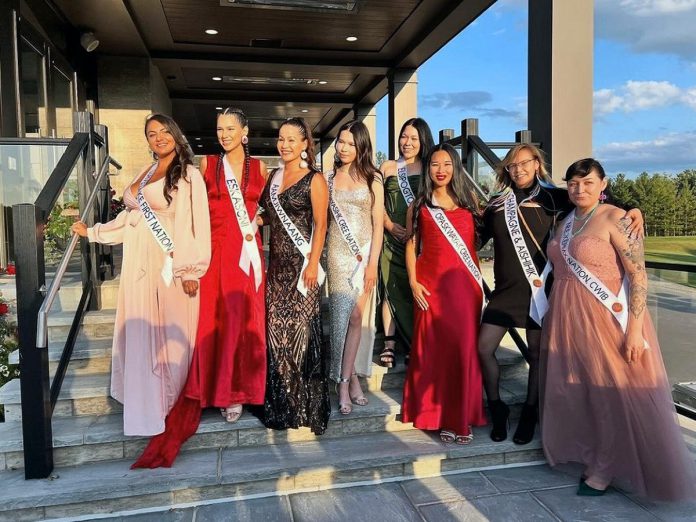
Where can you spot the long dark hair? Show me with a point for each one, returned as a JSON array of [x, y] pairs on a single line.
[[364, 166], [244, 122], [460, 184], [306, 132], [425, 136], [177, 168]]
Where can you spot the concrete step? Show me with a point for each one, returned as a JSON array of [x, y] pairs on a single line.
[[92, 438], [88, 394], [70, 292], [232, 472], [88, 357], [89, 438], [98, 324]]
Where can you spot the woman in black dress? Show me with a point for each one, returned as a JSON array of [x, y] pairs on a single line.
[[296, 208], [519, 240]]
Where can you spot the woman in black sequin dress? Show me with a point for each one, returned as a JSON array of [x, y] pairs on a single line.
[[297, 391]]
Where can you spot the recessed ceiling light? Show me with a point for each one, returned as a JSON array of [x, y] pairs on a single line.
[[218, 108], [323, 82], [211, 31], [305, 110], [217, 79], [266, 143], [200, 146], [351, 38], [198, 139]]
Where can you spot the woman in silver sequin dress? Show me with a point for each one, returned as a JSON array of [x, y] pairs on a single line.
[[353, 247]]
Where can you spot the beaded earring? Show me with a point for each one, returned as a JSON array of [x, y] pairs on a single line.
[[602, 197]]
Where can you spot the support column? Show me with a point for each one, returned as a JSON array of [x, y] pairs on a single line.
[[10, 114], [403, 104], [367, 114], [561, 80], [130, 88], [327, 154]]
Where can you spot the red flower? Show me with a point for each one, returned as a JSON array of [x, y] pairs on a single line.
[[11, 270], [4, 309]]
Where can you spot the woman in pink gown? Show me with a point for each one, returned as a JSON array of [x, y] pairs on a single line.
[[444, 389], [605, 398], [157, 310]]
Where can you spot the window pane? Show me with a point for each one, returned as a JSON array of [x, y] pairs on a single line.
[[32, 95]]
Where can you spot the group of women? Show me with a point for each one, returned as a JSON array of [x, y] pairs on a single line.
[[201, 323]]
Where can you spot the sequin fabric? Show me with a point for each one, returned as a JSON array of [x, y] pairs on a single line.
[[356, 206], [297, 391]]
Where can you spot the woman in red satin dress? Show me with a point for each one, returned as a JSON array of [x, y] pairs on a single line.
[[443, 389], [229, 361]]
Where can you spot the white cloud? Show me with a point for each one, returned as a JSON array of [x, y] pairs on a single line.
[[640, 95], [673, 151], [649, 26], [658, 7]]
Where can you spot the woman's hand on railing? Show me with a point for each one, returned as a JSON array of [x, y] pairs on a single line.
[[190, 288], [79, 228]]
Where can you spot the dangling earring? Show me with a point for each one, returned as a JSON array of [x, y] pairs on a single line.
[[303, 162], [337, 158], [245, 140], [602, 197]]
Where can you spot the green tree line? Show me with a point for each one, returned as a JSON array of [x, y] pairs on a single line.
[[668, 202]]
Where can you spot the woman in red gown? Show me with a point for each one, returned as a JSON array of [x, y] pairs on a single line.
[[443, 389], [229, 361]]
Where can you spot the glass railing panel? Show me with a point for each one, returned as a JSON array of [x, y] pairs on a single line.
[[24, 170], [672, 306]]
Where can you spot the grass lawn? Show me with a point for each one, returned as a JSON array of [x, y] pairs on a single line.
[[671, 249]]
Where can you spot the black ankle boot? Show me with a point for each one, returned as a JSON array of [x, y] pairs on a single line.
[[525, 428], [499, 416]]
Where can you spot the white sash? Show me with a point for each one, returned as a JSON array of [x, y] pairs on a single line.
[[296, 236], [356, 279], [163, 239], [538, 305], [457, 243], [250, 251], [402, 179], [616, 304]]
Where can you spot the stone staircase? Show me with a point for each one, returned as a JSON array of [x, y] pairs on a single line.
[[92, 456]]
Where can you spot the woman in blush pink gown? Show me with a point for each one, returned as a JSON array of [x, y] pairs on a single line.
[[605, 397], [156, 319]]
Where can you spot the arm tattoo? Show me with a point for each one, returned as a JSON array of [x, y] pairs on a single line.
[[634, 247], [638, 297], [633, 253]]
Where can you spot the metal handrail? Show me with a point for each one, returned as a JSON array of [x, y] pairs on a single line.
[[42, 324]]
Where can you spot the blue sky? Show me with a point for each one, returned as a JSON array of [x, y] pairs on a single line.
[[644, 82]]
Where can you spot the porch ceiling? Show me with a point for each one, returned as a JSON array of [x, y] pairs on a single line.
[[274, 63]]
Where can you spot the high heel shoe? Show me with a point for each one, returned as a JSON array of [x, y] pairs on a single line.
[[526, 425], [499, 416], [344, 408], [386, 358], [360, 400]]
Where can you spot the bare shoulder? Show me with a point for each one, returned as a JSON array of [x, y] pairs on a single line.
[[611, 213], [318, 180], [388, 168]]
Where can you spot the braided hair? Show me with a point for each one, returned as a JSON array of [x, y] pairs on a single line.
[[244, 122]]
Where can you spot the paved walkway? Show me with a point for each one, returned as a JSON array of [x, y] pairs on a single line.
[[514, 494]]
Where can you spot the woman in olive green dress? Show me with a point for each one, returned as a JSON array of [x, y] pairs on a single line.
[[401, 185]]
